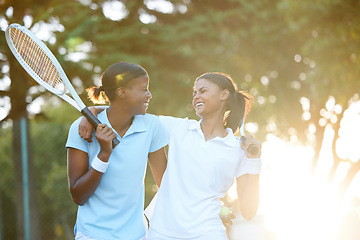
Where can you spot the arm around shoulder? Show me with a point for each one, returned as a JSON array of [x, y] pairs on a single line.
[[157, 156], [158, 163]]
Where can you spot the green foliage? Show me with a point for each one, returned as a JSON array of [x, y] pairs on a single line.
[[7, 168], [250, 40], [49, 153]]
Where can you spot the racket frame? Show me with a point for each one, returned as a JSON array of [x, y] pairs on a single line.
[[75, 101]]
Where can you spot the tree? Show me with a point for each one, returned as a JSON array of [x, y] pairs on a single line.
[[85, 26], [33, 12], [293, 56], [289, 54]]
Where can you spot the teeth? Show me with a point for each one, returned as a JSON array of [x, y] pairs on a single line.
[[146, 104], [199, 104]]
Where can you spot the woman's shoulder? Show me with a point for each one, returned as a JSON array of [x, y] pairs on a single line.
[[75, 124], [176, 120], [149, 120], [147, 117], [168, 121], [164, 119]]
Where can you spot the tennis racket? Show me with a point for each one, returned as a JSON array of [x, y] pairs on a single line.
[[252, 148], [38, 61]]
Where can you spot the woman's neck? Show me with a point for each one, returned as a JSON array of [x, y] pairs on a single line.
[[120, 119], [212, 127]]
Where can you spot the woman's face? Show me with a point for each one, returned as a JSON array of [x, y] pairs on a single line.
[[138, 95], [208, 98]]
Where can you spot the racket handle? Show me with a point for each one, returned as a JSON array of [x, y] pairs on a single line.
[[94, 122], [252, 148]]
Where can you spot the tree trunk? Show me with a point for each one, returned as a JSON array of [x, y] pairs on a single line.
[[34, 230], [17, 94]]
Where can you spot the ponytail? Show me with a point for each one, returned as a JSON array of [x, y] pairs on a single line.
[[97, 95], [239, 104]]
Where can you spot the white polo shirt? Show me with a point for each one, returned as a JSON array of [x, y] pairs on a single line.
[[198, 173]]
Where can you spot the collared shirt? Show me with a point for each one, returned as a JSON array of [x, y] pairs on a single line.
[[198, 173], [115, 210]]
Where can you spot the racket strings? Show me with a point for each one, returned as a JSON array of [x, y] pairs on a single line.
[[36, 59]]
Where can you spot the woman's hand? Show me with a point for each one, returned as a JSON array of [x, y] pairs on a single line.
[[104, 135], [248, 144], [85, 128], [227, 216]]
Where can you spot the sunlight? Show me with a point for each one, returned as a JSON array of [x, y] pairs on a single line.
[[299, 205], [295, 205], [5, 107], [348, 143], [160, 5], [115, 10]]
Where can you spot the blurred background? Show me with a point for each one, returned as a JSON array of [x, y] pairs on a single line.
[[299, 59]]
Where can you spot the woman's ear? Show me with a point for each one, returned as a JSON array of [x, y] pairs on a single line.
[[121, 92], [225, 94]]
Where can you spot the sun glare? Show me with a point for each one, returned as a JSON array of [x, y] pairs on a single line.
[[297, 204], [350, 130]]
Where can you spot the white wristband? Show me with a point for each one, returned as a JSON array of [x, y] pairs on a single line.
[[99, 165]]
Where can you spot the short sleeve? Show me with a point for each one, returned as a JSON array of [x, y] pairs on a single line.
[[159, 136], [172, 123], [248, 166], [74, 140]]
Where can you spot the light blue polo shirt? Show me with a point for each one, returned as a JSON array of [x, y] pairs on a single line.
[[115, 210]]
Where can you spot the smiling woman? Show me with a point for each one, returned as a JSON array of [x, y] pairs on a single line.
[[108, 183]]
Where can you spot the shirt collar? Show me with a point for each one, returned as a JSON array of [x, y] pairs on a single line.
[[193, 124], [138, 124], [229, 140]]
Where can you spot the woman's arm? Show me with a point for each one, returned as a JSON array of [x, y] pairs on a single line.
[[158, 162], [248, 184], [82, 180], [248, 193], [85, 128]]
